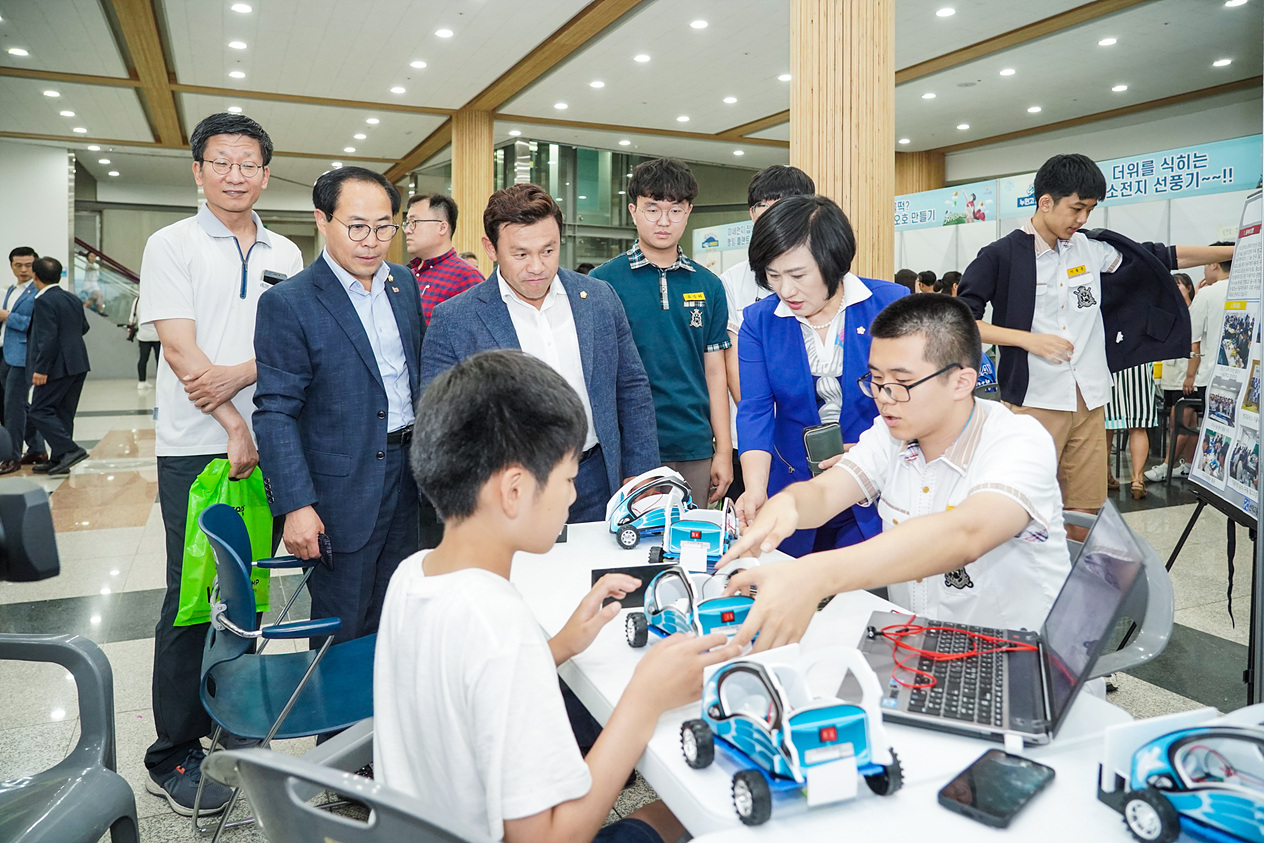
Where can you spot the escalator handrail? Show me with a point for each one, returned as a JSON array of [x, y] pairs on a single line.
[[108, 261]]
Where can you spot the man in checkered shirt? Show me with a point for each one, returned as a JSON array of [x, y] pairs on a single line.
[[429, 225]]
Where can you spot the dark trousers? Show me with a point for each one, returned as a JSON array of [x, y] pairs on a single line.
[[738, 485], [142, 365], [356, 587], [52, 413], [179, 717], [16, 413], [592, 489]]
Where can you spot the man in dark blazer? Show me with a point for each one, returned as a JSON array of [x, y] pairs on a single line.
[[58, 360], [573, 322], [337, 348]]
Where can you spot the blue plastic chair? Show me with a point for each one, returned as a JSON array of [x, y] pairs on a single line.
[[261, 696]]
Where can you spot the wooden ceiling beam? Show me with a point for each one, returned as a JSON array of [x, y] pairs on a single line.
[[75, 140], [638, 130], [419, 154], [138, 26], [360, 105], [740, 132], [1176, 99], [69, 78]]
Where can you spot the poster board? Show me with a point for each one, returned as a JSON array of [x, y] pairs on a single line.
[[1227, 459]]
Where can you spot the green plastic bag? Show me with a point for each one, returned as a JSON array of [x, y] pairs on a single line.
[[247, 497]]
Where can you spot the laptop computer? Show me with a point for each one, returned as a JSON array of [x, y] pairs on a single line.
[[1026, 693]]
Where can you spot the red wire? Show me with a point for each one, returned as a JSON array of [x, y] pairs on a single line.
[[895, 633]]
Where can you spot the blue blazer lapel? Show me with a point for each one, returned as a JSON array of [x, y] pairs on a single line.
[[495, 314], [403, 295], [585, 329], [329, 293]]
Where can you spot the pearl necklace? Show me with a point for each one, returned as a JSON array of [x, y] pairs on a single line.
[[825, 324]]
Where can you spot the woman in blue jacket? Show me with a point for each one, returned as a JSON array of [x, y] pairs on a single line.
[[800, 353]]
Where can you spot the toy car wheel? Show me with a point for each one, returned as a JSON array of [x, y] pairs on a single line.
[[697, 743], [751, 797], [889, 780], [656, 555], [1150, 817], [628, 537], [638, 630]]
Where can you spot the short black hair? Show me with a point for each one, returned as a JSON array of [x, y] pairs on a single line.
[[663, 180], [946, 323], [225, 123], [950, 279], [47, 270], [1064, 175], [22, 252], [908, 278], [493, 410], [1183, 280], [1224, 265], [814, 221], [328, 188], [519, 204], [927, 278], [441, 202], [778, 182], [585, 268]]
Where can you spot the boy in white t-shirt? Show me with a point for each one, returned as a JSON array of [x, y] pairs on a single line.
[[468, 714]]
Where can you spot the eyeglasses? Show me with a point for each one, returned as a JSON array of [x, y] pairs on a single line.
[[897, 392], [653, 212], [409, 225], [248, 169], [360, 230]]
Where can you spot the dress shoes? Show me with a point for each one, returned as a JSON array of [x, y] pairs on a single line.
[[33, 457], [9, 466], [63, 465], [42, 467]]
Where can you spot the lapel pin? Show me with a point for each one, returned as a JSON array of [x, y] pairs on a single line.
[[394, 289], [583, 294], [860, 329]]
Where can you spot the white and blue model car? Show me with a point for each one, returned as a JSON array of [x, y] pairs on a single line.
[[699, 538], [1206, 780], [676, 601], [647, 504], [784, 740]]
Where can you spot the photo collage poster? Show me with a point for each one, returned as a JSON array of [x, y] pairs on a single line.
[[1227, 460]]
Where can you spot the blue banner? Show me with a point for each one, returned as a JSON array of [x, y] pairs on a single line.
[[958, 205]]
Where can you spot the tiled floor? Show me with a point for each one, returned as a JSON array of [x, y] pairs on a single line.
[[110, 539]]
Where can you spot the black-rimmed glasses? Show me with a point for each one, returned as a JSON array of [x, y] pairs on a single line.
[[360, 230], [897, 392], [409, 225]]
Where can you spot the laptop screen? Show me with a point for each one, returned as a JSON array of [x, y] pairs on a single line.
[[1088, 607]]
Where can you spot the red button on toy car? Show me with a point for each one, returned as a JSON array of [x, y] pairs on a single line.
[[829, 734]]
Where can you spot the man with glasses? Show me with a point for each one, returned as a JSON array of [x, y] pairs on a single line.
[[202, 279], [338, 349], [967, 490], [429, 225], [679, 321]]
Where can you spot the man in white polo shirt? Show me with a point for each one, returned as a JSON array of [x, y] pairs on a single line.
[[202, 279], [968, 493]]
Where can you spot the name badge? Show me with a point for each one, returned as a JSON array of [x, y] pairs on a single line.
[[695, 296], [1076, 270]]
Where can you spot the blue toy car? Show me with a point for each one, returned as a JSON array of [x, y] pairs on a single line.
[[702, 532], [1207, 781], [785, 739], [675, 601], [647, 504]]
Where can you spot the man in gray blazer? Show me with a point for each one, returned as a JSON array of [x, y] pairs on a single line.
[[573, 322]]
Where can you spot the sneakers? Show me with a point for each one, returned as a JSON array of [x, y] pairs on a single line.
[[179, 788], [1156, 474], [1181, 470]]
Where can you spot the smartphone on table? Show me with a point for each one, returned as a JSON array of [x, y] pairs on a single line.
[[995, 788]]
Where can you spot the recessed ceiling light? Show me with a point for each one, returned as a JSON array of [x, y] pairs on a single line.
[[18, 51], [785, 77], [928, 96], [738, 152], [348, 149], [237, 74], [945, 12], [581, 197], [1035, 109], [1107, 42], [234, 109], [642, 58], [360, 136], [94, 148], [336, 164], [684, 118], [443, 33], [1009, 71], [625, 143], [730, 100], [242, 8], [514, 133], [52, 93], [1119, 89], [397, 90], [699, 24], [67, 114], [372, 121], [420, 65], [560, 106], [79, 130], [963, 126], [114, 172], [904, 140], [237, 45], [103, 160], [596, 83], [1217, 63], [1232, 3]]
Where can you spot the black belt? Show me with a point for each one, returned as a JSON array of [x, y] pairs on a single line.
[[591, 452], [403, 436]]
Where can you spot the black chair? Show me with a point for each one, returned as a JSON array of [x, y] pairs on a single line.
[[1178, 427]]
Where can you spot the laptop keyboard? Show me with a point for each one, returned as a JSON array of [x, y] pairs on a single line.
[[970, 690]]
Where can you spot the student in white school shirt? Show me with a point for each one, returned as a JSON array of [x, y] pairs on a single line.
[[971, 512]]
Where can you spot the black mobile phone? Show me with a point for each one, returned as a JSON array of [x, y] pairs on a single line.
[[995, 788], [822, 441], [634, 599], [273, 277]]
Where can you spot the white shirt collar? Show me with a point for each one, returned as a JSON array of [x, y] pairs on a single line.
[[348, 280], [39, 293], [215, 227], [854, 292], [509, 297]]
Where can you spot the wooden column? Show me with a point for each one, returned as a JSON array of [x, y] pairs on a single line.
[[842, 115], [473, 178], [918, 171]]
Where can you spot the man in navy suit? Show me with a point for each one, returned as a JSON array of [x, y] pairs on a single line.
[[573, 322], [337, 348], [58, 360]]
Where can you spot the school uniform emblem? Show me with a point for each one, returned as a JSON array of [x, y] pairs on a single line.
[[695, 319], [1084, 296], [958, 579]]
